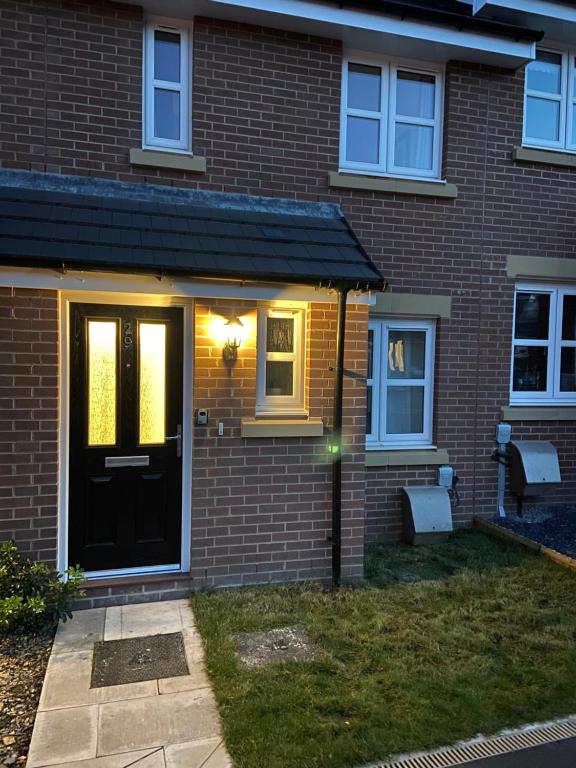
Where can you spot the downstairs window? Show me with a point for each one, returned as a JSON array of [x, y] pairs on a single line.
[[544, 346], [400, 383]]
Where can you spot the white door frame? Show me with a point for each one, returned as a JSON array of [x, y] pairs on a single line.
[[127, 299]]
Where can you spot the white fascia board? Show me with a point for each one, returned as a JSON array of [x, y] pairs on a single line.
[[147, 285], [356, 28], [444, 42], [556, 20], [550, 10]]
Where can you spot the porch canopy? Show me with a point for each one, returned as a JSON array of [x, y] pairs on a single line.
[[112, 226]]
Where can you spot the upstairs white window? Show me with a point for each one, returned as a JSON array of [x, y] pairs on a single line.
[[280, 361], [550, 100], [391, 118], [400, 383], [544, 346], [167, 84]]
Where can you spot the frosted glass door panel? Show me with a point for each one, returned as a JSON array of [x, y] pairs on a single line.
[[152, 383], [102, 350]]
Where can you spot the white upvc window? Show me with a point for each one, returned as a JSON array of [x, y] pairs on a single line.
[[281, 346], [391, 117], [400, 383], [550, 100], [167, 86], [544, 346]]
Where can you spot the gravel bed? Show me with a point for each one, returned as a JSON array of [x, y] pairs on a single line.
[[23, 660], [553, 526]]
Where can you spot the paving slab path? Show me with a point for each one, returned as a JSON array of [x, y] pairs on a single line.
[[161, 723]]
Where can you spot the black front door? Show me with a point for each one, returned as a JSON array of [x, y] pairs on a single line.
[[125, 463]]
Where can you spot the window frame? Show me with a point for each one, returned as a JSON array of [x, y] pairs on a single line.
[[288, 405], [566, 98], [377, 437], [184, 88], [387, 117], [553, 395]]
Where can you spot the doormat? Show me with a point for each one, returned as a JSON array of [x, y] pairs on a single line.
[[257, 649], [117, 662]]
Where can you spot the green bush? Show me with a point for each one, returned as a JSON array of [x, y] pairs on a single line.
[[32, 595]]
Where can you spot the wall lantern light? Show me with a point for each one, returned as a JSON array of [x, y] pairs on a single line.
[[233, 330]]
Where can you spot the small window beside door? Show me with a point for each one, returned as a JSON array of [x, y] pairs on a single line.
[[167, 86], [544, 346], [391, 118], [280, 361], [400, 383], [550, 100]]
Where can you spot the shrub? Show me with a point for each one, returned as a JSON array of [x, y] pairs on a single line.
[[32, 594]]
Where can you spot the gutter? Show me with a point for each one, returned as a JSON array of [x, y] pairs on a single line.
[[337, 441], [377, 283]]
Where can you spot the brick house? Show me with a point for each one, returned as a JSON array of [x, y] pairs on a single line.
[[186, 193]]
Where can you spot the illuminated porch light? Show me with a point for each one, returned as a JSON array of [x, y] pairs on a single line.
[[233, 334]]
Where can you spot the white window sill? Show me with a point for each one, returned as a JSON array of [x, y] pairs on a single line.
[[406, 457], [156, 158], [348, 179], [282, 427]]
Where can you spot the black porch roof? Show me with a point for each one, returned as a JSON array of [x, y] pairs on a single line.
[[197, 234]]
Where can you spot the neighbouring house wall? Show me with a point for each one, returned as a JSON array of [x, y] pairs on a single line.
[[266, 117], [29, 420]]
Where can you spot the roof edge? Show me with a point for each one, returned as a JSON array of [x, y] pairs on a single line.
[[413, 9], [156, 193]]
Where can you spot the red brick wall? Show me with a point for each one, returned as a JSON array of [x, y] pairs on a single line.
[[29, 420], [266, 112], [261, 507]]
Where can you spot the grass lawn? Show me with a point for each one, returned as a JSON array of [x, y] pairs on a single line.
[[442, 643]]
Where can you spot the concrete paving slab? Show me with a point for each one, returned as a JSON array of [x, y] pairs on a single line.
[[67, 684], [219, 759], [151, 619], [156, 721], [196, 679], [81, 632], [126, 726], [124, 760], [192, 754], [63, 736], [154, 760], [113, 624], [186, 615]]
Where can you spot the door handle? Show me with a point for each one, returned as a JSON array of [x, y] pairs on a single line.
[[178, 438]]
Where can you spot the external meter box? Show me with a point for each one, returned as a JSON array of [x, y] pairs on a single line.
[[503, 433], [445, 476]]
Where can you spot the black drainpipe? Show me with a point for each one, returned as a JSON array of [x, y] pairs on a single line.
[[337, 441]]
